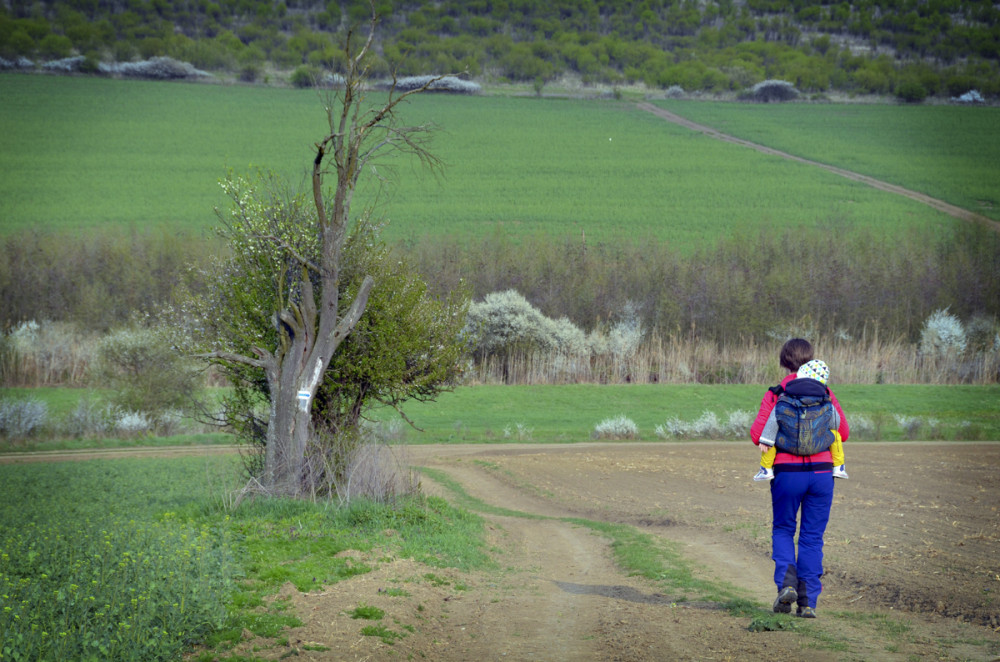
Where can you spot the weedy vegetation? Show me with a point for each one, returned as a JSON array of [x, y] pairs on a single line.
[[136, 560]]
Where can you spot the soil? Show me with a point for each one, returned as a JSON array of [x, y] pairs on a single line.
[[912, 561]]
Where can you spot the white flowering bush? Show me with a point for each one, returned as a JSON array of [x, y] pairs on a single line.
[[618, 427], [66, 65], [19, 62], [942, 335], [972, 96], [862, 427], [157, 68], [773, 90], [518, 432], [133, 423], [19, 419], [738, 424], [627, 333], [504, 322], [444, 84], [910, 425], [708, 426], [91, 419]]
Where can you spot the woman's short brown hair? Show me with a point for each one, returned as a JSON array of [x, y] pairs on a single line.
[[796, 353]]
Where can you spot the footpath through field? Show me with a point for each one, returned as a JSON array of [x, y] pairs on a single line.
[[940, 205]]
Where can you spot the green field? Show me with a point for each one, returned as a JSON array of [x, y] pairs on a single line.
[[947, 152], [82, 153], [569, 413]]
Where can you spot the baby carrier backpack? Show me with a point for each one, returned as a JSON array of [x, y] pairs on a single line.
[[805, 417]]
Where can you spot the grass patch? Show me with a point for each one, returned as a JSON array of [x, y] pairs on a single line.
[[368, 613], [387, 636]]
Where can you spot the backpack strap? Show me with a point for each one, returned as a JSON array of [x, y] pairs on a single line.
[[777, 390]]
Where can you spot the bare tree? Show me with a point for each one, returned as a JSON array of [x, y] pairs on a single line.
[[310, 319]]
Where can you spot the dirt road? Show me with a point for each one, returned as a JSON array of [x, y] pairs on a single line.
[[940, 205], [912, 561]]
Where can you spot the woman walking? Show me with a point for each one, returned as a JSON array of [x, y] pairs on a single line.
[[801, 496]]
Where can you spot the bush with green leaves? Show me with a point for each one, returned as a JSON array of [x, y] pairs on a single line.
[[943, 335], [305, 75], [144, 371], [911, 91]]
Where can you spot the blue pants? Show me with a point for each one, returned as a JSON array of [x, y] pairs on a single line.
[[811, 493]]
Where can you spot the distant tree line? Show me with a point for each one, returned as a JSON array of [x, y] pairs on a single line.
[[742, 287], [906, 47]]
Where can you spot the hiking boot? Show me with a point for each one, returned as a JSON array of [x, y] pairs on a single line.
[[764, 474], [783, 603], [805, 612], [840, 472]]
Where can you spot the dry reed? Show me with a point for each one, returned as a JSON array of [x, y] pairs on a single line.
[[870, 360]]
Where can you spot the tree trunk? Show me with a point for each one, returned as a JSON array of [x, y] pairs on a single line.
[[294, 374]]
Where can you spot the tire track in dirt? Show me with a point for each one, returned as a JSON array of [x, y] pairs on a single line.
[[940, 205], [574, 602]]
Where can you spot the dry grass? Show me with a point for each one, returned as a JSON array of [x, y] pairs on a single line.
[[681, 361]]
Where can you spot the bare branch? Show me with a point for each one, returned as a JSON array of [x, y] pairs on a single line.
[[234, 358]]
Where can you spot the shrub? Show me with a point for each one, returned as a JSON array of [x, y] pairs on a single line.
[[376, 472], [20, 418], [90, 419], [942, 335], [505, 322], [47, 354], [157, 68], [16, 63], [772, 91], [708, 426], [444, 84], [972, 96], [305, 76], [619, 427], [133, 423], [674, 92], [68, 65], [862, 427], [145, 372], [911, 92], [910, 425], [983, 334], [519, 431]]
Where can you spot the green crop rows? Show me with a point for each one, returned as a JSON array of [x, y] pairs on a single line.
[[85, 153]]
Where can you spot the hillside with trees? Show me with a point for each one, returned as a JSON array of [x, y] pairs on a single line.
[[912, 49]]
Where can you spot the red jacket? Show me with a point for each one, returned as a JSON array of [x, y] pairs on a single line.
[[767, 404]]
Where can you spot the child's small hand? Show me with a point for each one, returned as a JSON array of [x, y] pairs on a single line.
[[764, 448]]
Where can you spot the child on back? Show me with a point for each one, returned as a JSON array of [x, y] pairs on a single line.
[[810, 380]]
